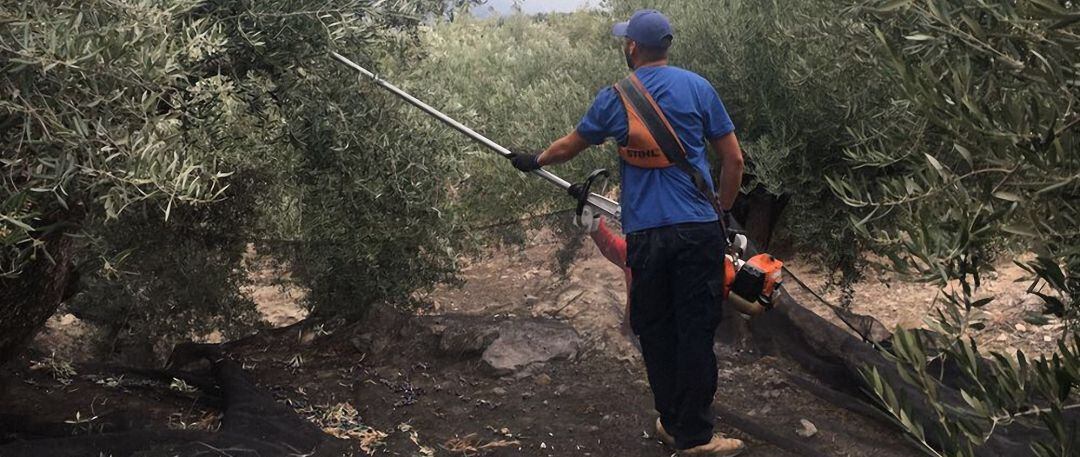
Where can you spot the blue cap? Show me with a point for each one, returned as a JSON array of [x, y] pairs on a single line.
[[647, 27]]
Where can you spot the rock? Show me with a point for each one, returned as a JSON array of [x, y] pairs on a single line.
[[466, 340], [1020, 327], [498, 391], [543, 379], [529, 371], [525, 342], [806, 429]]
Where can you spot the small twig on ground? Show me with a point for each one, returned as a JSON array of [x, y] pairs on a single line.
[[470, 444], [569, 302]]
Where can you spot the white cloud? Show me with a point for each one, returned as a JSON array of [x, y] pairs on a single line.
[[504, 7]]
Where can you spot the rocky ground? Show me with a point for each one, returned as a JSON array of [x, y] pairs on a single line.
[[1014, 319], [517, 361]]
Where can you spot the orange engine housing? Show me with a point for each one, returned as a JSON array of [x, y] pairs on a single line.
[[751, 289]]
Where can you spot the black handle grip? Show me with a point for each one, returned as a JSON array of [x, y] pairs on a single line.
[[581, 191]]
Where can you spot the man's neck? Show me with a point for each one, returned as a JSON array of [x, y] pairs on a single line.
[[655, 63]]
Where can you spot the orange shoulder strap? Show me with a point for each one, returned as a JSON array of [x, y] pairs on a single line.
[[653, 117]]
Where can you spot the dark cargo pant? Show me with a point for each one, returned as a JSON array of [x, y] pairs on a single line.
[[675, 301]]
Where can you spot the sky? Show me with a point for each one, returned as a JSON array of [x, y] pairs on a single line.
[[503, 7]]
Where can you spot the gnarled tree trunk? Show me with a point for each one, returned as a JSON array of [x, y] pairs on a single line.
[[758, 211], [28, 300]]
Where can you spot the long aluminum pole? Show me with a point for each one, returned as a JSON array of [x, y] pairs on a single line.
[[605, 205]]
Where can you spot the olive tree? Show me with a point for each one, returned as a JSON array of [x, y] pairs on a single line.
[[89, 129], [138, 113], [985, 162]]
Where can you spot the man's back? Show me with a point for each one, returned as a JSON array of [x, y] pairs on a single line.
[[663, 196]]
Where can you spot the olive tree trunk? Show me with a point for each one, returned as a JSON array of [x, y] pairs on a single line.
[[758, 211], [29, 299]]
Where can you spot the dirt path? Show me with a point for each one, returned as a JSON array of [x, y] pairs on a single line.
[[416, 399], [591, 299], [389, 388]]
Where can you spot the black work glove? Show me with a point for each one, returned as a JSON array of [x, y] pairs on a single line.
[[524, 162]]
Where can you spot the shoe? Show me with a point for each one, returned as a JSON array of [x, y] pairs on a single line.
[[718, 447], [664, 436]]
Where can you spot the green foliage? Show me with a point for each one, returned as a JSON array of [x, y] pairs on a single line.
[[1007, 390], [989, 154], [90, 119], [126, 117], [981, 156], [521, 81], [164, 282]]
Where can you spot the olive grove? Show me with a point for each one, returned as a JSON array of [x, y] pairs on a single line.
[[147, 145]]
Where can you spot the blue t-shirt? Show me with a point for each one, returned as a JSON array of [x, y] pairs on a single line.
[[663, 196]]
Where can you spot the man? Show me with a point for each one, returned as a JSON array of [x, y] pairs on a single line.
[[675, 243]]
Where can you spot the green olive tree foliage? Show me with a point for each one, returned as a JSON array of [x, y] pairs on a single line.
[[523, 82], [986, 160], [88, 118], [989, 155], [365, 192], [120, 117], [89, 129], [152, 283]]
